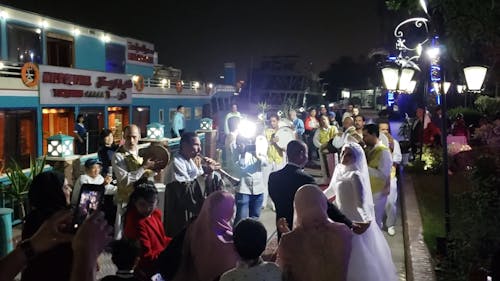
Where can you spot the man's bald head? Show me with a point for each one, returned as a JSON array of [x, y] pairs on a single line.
[[132, 135], [296, 151], [347, 122]]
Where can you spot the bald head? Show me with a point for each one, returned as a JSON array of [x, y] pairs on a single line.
[[132, 135], [347, 122], [296, 151]]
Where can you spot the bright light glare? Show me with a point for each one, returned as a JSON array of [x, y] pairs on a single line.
[[433, 52], [196, 84], [105, 38], [1, 65], [419, 49], [423, 4], [135, 78], [4, 15], [210, 85], [302, 109], [247, 128], [76, 31], [261, 116]]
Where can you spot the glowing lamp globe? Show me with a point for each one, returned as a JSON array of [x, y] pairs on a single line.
[[60, 145], [155, 131], [206, 124], [391, 77], [474, 76]]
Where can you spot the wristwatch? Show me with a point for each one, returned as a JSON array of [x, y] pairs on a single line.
[[27, 249]]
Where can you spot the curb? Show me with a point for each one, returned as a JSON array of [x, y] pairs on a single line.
[[418, 260]]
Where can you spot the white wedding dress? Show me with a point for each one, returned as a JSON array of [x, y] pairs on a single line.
[[370, 256]]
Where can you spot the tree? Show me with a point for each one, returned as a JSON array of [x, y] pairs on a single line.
[[348, 73]]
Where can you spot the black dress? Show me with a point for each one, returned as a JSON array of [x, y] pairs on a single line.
[[105, 154]]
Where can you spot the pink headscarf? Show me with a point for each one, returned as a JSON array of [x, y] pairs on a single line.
[[317, 248], [208, 245]]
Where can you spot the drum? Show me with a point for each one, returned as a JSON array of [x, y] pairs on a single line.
[[157, 153], [283, 122], [284, 135]]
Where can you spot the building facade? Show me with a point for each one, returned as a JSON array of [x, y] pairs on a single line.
[[51, 71]]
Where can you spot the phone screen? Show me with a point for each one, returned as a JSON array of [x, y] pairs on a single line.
[[90, 200]]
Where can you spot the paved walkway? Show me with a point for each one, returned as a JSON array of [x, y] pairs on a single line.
[[396, 242]]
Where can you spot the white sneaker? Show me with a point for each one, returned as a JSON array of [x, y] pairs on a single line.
[[391, 231]]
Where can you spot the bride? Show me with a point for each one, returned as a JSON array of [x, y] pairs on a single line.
[[350, 188]]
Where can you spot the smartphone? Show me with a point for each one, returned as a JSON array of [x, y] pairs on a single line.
[[90, 200]]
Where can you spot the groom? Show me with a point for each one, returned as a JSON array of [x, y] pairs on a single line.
[[379, 161], [283, 185]]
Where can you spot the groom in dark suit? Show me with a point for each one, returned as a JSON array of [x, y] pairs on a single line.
[[284, 183]]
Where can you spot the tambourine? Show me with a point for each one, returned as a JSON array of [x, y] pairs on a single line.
[[285, 135], [157, 153]]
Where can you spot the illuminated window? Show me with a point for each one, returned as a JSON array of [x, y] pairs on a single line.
[[25, 44]]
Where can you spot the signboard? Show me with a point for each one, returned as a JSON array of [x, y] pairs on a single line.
[[140, 52], [61, 85]]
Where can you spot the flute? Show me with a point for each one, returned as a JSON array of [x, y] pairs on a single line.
[[218, 167]]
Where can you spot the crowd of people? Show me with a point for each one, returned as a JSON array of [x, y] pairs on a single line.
[[210, 233]]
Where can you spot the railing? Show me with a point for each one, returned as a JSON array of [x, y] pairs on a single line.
[[13, 70], [10, 69], [171, 84]]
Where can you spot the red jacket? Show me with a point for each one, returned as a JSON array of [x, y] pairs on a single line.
[[150, 233], [308, 122]]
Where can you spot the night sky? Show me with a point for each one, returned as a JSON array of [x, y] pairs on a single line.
[[199, 36]]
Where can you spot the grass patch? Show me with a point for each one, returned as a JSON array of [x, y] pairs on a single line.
[[429, 189]]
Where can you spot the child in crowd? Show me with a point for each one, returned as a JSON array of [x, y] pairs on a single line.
[[250, 192], [250, 237], [143, 223], [125, 255], [92, 176]]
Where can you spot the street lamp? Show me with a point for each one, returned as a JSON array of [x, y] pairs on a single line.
[[474, 76], [397, 79], [437, 87]]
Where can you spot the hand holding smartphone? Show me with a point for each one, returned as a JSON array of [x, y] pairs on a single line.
[[90, 200]]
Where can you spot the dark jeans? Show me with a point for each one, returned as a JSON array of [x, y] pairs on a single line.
[[312, 150], [248, 205]]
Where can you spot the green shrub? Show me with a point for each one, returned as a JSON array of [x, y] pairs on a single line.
[[471, 116], [475, 232], [488, 105]]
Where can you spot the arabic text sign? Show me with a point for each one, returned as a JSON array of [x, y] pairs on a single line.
[[61, 85]]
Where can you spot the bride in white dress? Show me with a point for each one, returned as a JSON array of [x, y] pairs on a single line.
[[350, 187]]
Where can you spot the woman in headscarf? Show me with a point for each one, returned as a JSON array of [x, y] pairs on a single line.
[[49, 193], [208, 249], [317, 248], [350, 187]]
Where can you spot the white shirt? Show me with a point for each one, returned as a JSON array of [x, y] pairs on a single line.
[[182, 170], [120, 169], [83, 179], [251, 175], [384, 168], [396, 153]]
